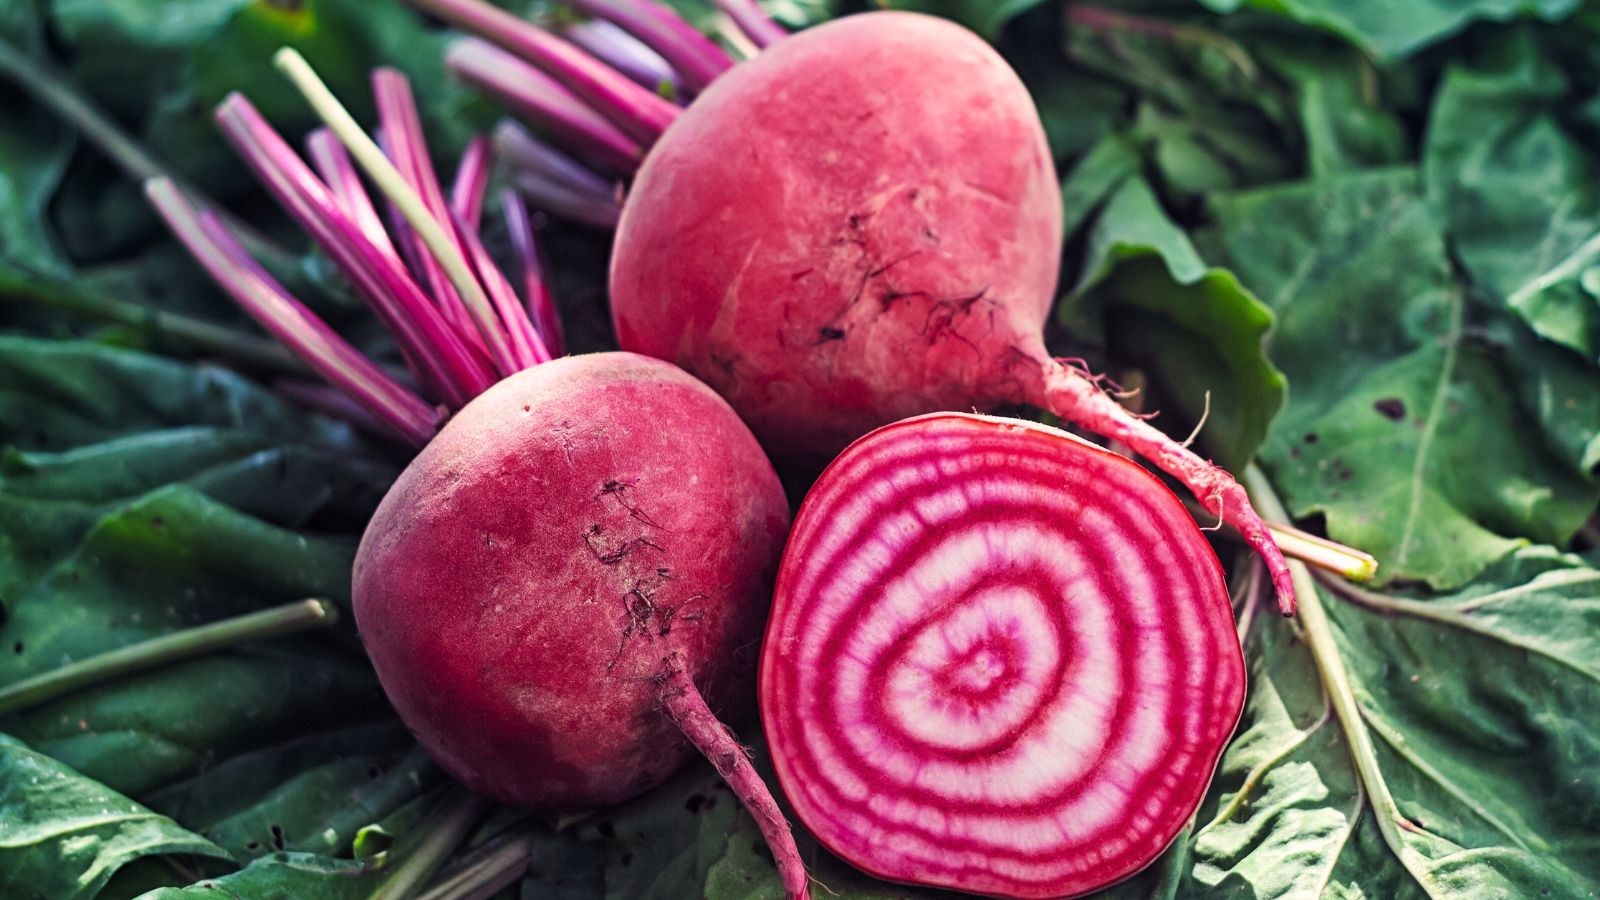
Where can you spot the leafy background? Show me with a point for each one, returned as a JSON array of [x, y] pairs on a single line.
[[1370, 230]]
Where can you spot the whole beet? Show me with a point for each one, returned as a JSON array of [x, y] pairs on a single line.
[[573, 538], [860, 224]]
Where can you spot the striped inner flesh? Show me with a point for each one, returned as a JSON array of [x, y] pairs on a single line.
[[1000, 660]]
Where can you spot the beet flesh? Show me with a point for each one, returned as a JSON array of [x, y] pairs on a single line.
[[860, 224], [537, 572], [1000, 660]]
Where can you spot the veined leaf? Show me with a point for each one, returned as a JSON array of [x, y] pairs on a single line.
[[1401, 747], [1403, 427]]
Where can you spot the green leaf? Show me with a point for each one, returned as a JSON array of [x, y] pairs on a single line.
[[1403, 428], [284, 876], [62, 835], [1486, 772], [34, 150], [1193, 330], [1339, 103], [1518, 190], [1390, 30], [173, 510], [1209, 114]]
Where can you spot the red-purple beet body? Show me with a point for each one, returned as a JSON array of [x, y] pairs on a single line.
[[857, 225], [570, 536]]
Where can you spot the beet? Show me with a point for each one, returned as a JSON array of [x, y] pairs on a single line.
[[568, 539], [860, 224], [1000, 660], [573, 572]]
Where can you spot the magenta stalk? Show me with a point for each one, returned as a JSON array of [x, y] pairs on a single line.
[[288, 320], [753, 21], [684, 704], [541, 303], [691, 53], [627, 54], [456, 370], [472, 182], [543, 101], [638, 112]]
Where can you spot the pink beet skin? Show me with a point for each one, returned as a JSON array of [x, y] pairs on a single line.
[[531, 581], [860, 224]]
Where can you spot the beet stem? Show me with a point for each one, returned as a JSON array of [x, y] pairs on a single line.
[[687, 707], [753, 21], [199, 335], [455, 370], [695, 56], [543, 101], [627, 54], [472, 182], [1070, 394], [276, 310], [1318, 634], [168, 648], [394, 186], [407, 151], [535, 288], [637, 111], [442, 830]]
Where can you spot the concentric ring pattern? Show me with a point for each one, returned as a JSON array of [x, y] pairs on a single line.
[[1000, 660]]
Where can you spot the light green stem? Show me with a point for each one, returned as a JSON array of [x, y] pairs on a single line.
[[486, 871], [395, 188], [1331, 556], [268, 623], [442, 830], [56, 94], [1318, 634], [197, 334]]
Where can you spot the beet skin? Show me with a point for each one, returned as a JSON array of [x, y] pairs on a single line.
[[860, 224], [530, 581]]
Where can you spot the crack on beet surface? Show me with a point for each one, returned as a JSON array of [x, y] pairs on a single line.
[[618, 491], [612, 554], [648, 617]]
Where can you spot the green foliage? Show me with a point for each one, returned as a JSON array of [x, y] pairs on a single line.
[[1404, 428], [1449, 690], [1369, 231]]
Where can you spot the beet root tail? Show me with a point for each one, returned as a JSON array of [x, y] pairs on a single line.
[[686, 707], [1077, 398]]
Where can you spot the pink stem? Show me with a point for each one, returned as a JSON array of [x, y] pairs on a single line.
[[528, 154], [555, 198], [471, 183], [638, 112], [1070, 394], [694, 55], [266, 301], [627, 54], [753, 21], [402, 126], [333, 163], [541, 305], [526, 346], [684, 704], [544, 102], [334, 403], [428, 342]]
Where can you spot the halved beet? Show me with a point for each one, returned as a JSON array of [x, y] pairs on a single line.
[[1000, 659]]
